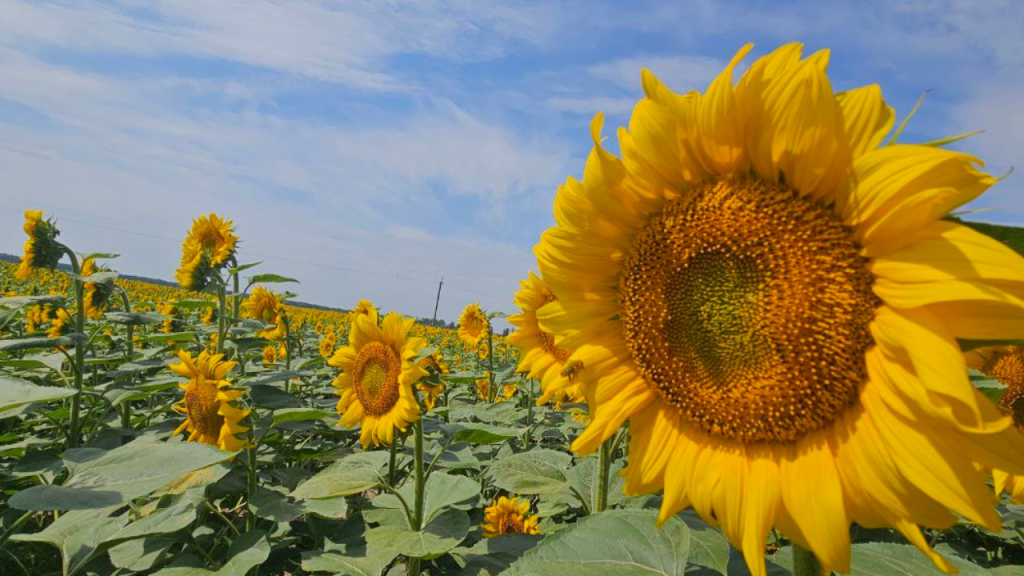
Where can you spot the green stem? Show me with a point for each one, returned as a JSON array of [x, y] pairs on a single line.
[[804, 562], [74, 438], [287, 352], [14, 527], [417, 514], [392, 456], [493, 393], [126, 407], [604, 462], [529, 415], [222, 307], [250, 518]]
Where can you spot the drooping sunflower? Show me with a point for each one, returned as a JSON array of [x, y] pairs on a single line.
[[41, 248], [209, 245], [378, 373], [60, 324], [1006, 365], [773, 300], [269, 355], [431, 392], [96, 293], [509, 516], [473, 325], [539, 357], [210, 416], [483, 389], [265, 305]]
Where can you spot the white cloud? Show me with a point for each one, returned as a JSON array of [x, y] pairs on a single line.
[[125, 169], [347, 42], [680, 73]]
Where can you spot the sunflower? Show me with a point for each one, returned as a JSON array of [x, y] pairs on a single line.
[[60, 324], [170, 323], [96, 293], [437, 363], [378, 373], [772, 301], [509, 390], [431, 392], [327, 344], [483, 389], [364, 308], [41, 247], [269, 355], [1006, 365], [265, 305], [209, 315], [473, 325], [208, 247], [539, 358], [483, 353], [210, 416], [509, 516]]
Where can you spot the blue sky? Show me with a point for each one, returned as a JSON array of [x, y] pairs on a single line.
[[367, 148]]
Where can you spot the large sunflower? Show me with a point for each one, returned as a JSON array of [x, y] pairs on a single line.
[[210, 243], [1006, 365], [378, 373], [773, 300], [41, 247], [266, 305], [210, 416], [509, 516], [539, 357], [473, 325]]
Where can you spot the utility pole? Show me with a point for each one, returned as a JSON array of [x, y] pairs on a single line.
[[438, 301]]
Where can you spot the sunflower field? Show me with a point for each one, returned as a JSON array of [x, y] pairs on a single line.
[[760, 340]]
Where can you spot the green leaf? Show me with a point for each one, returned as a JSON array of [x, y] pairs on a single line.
[[708, 546], [328, 508], [134, 318], [583, 479], [439, 492], [887, 559], [15, 392], [275, 506], [78, 535], [133, 470], [20, 301], [246, 552], [299, 415], [39, 342], [492, 556], [350, 475], [442, 534], [613, 543], [99, 256], [477, 433], [273, 398], [535, 472], [271, 278], [244, 267], [195, 304], [141, 555]]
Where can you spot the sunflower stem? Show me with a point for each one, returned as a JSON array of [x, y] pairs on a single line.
[[804, 562], [529, 415], [491, 388], [417, 514], [603, 468], [287, 352], [76, 400], [250, 518], [392, 456], [221, 310], [129, 350]]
